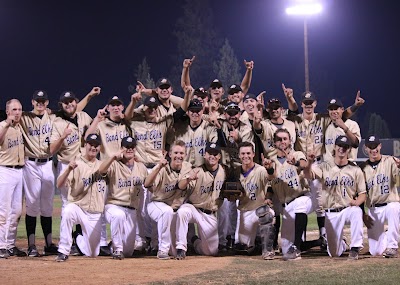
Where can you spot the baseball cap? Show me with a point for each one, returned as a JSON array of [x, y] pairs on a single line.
[[342, 141], [200, 92], [93, 139], [213, 148], [128, 142], [372, 141], [115, 99], [249, 96], [334, 103], [308, 96], [163, 82], [40, 94], [195, 104], [274, 103], [67, 95], [216, 83], [232, 106], [234, 89], [151, 102]]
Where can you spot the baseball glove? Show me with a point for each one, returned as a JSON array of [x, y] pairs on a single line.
[[231, 190]]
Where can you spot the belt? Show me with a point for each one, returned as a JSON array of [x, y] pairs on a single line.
[[13, 166], [285, 204], [335, 210], [205, 211], [128, 207], [378, 205], [41, 160], [149, 165]]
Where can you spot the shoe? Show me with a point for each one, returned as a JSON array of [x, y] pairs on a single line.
[[390, 253], [345, 240], [324, 243], [61, 257], [222, 248], [105, 251], [75, 251], [292, 254], [180, 254], [118, 255], [193, 239], [268, 255], [32, 251], [277, 250], [230, 242], [162, 255], [52, 249], [15, 251], [353, 254], [4, 253]]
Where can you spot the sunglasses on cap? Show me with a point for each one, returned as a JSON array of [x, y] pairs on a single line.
[[308, 102], [163, 87], [372, 146]]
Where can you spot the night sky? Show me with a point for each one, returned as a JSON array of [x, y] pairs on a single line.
[[74, 45]]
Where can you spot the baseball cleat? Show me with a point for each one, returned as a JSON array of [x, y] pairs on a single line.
[[52, 249], [390, 253], [61, 257], [268, 255], [180, 254], [105, 251], [32, 251], [4, 253], [292, 254], [162, 255], [118, 255], [324, 243], [353, 254], [15, 251], [75, 251]]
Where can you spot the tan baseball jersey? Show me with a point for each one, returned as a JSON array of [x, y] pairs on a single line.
[[86, 187], [151, 139], [125, 183], [340, 185], [267, 135], [333, 132], [205, 191], [195, 140], [12, 148], [111, 134], [254, 183], [289, 183], [73, 144], [381, 181], [165, 188], [36, 131]]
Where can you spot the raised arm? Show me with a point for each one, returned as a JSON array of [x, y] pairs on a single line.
[[246, 82], [350, 111], [55, 146], [82, 103], [62, 179], [185, 77], [149, 181], [101, 115], [136, 97], [106, 163], [292, 105], [188, 96]]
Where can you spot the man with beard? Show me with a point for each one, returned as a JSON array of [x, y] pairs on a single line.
[[11, 164], [202, 206]]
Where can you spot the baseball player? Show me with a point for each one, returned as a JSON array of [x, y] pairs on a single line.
[[253, 178], [86, 196], [11, 164], [168, 182], [380, 173], [126, 177], [343, 191], [292, 192], [38, 172], [202, 205]]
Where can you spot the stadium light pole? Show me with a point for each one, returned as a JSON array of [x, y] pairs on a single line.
[[305, 8]]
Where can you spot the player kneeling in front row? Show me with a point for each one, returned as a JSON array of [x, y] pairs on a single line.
[[380, 173], [126, 177], [86, 195], [201, 208], [343, 191]]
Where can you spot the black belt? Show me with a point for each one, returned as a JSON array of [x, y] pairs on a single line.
[[149, 165], [205, 211], [128, 207], [378, 205], [285, 204], [41, 160], [335, 210], [13, 166]]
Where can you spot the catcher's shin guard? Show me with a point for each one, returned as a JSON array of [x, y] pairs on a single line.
[[267, 230]]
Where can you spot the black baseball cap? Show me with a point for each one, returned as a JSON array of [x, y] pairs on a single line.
[[342, 141], [213, 148], [195, 104], [200, 92], [151, 101], [40, 94], [67, 95], [216, 83], [163, 82], [308, 96], [274, 103], [334, 103], [93, 139], [372, 141], [128, 142], [232, 106], [115, 99], [250, 96], [234, 89]]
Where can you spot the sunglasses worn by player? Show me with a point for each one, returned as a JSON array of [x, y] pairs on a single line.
[[195, 110], [232, 113], [344, 146], [163, 87], [308, 102], [333, 108], [372, 146]]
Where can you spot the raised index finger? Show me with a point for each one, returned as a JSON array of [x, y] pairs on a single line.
[[283, 87]]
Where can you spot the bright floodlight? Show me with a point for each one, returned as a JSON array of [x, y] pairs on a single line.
[[304, 9]]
